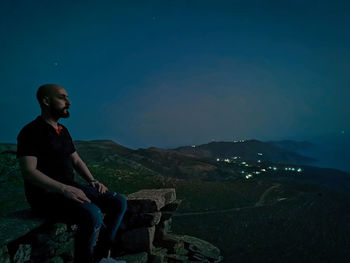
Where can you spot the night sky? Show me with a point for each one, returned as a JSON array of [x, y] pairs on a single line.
[[171, 73]]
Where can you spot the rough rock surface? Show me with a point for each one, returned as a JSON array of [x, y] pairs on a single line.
[[144, 236]]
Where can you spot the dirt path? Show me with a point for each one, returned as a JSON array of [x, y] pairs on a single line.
[[259, 203], [264, 194]]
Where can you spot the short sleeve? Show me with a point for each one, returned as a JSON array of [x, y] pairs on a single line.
[[27, 143]]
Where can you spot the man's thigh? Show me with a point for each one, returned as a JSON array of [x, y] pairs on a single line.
[[108, 202], [60, 208]]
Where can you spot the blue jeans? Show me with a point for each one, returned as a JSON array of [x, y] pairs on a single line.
[[89, 218]]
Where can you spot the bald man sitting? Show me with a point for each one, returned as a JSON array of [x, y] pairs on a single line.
[[48, 158]]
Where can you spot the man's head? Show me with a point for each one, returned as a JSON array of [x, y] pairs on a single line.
[[53, 100]]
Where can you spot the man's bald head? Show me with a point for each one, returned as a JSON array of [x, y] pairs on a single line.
[[53, 100], [47, 90]]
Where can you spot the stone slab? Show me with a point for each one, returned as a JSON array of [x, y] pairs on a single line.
[[150, 200]]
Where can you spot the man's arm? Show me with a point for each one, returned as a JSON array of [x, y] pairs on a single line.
[[30, 173], [84, 172]]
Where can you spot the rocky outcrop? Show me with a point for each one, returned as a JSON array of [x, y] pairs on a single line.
[[144, 236]]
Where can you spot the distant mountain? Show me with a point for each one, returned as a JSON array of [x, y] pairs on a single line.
[[153, 160], [250, 150], [98, 150], [184, 162], [5, 147], [200, 162], [173, 163], [293, 146]]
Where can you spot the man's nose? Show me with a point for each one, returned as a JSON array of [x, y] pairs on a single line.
[[68, 102]]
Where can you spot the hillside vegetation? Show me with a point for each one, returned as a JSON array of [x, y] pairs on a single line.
[[274, 216]]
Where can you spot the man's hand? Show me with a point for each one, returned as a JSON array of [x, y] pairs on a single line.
[[100, 186], [76, 194]]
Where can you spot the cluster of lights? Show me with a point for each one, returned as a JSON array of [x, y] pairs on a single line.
[[228, 160], [239, 141], [287, 169], [248, 176], [273, 168], [293, 169]]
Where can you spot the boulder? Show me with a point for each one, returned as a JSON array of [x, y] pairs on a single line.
[[200, 249], [135, 258], [158, 255], [137, 220], [150, 200], [138, 239], [171, 206]]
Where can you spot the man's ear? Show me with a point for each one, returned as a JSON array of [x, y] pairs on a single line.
[[46, 101]]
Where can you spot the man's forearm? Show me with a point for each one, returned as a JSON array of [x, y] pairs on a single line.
[[83, 171], [41, 180]]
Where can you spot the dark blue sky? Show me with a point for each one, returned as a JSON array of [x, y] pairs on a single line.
[[170, 73]]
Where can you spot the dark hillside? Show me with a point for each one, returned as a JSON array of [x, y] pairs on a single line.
[[277, 215], [248, 150]]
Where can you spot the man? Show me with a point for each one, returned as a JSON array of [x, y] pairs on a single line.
[[47, 158]]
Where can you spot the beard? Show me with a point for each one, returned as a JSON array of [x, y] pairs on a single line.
[[60, 113]]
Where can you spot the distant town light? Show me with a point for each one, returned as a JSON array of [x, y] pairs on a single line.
[[243, 162], [193, 146], [260, 154], [218, 160], [259, 161], [299, 170], [263, 170], [274, 168]]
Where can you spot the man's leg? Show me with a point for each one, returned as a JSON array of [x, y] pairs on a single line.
[[89, 224], [87, 216], [114, 206], [114, 209]]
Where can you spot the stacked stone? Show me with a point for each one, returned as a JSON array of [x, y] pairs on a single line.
[[146, 235], [4, 254], [54, 244], [50, 243]]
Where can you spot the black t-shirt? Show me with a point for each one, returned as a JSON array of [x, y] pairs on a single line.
[[52, 149]]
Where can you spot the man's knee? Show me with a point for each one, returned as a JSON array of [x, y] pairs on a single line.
[[120, 203], [93, 215]]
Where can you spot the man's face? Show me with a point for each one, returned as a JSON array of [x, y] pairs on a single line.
[[59, 103]]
